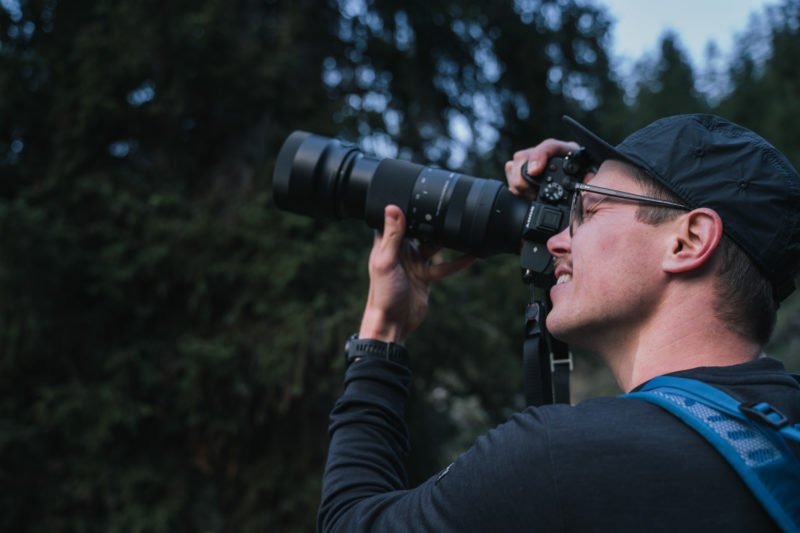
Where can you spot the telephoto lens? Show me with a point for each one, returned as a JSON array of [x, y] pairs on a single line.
[[325, 178]]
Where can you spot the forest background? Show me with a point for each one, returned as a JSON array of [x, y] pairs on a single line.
[[170, 342]]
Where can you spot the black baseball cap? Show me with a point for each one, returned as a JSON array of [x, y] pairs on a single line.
[[707, 161]]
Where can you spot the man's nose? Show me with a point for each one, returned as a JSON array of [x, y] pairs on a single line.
[[560, 243]]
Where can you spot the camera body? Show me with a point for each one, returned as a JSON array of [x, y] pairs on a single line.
[[325, 178]]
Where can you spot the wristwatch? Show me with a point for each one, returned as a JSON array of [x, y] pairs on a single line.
[[356, 348]]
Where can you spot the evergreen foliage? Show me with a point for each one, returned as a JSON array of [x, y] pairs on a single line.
[[170, 342], [666, 85]]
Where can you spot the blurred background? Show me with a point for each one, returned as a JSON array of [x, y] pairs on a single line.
[[170, 343]]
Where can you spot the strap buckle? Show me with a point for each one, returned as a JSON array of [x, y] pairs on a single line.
[[764, 413], [566, 361]]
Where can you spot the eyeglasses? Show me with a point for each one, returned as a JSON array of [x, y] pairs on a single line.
[[576, 211]]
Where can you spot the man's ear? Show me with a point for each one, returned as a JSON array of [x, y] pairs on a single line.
[[697, 235]]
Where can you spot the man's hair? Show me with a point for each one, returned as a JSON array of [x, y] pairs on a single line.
[[744, 296]]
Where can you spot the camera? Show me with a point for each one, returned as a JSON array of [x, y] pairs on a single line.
[[325, 178]]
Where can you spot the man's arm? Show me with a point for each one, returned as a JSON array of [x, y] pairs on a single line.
[[365, 476], [369, 441], [504, 482]]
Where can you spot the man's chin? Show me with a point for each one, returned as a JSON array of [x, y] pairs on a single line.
[[564, 330], [557, 328]]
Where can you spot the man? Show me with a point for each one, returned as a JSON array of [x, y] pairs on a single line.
[[677, 253]]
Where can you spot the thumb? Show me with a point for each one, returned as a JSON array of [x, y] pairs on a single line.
[[394, 227]]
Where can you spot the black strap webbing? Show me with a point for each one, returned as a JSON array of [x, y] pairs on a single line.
[[546, 362], [535, 358]]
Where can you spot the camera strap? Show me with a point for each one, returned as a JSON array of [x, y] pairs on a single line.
[[546, 361]]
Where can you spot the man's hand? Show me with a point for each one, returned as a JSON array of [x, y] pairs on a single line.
[[400, 276], [536, 158]]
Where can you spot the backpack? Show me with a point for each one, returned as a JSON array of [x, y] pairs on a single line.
[[751, 437]]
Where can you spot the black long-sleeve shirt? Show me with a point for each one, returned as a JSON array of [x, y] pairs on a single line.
[[607, 464]]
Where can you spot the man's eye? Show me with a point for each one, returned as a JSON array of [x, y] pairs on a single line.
[[589, 209]]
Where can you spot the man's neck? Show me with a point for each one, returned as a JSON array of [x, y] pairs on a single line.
[[676, 340]]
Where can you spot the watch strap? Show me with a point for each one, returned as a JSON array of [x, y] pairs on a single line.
[[356, 348]]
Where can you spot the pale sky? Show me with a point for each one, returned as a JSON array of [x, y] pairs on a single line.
[[640, 24]]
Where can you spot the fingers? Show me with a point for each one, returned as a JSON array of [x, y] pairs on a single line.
[[535, 158], [388, 251], [427, 251], [387, 244], [443, 270]]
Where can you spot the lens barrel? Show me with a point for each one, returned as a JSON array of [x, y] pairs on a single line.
[[325, 178]]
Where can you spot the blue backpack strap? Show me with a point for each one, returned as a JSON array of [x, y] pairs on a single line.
[[750, 437]]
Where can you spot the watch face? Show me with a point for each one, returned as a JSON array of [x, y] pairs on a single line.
[[349, 342]]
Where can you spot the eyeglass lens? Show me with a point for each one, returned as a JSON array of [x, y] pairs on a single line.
[[575, 212]]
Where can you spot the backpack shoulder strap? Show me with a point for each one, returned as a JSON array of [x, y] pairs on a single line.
[[750, 437]]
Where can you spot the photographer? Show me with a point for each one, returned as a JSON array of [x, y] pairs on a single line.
[[678, 250]]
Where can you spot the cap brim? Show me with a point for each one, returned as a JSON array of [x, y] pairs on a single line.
[[598, 149]]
